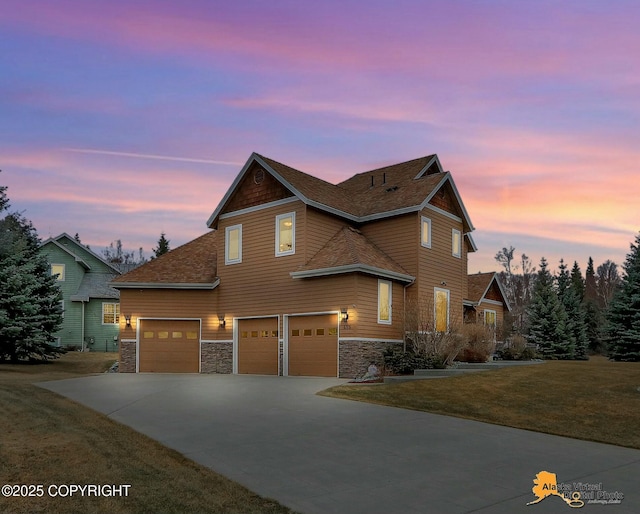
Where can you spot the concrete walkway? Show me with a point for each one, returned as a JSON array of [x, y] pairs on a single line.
[[324, 455]]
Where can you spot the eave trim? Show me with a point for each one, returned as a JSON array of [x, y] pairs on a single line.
[[166, 285], [354, 268]]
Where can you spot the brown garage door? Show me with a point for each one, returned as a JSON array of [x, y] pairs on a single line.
[[169, 346], [313, 345], [258, 346]]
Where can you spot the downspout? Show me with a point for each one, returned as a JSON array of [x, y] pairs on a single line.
[[82, 327], [404, 315]]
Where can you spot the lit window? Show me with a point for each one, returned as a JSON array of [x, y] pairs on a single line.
[[441, 309], [286, 234], [490, 318], [384, 302], [58, 269], [456, 243], [233, 245], [110, 313], [425, 233]]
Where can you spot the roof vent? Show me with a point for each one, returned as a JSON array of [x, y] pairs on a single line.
[[392, 188]]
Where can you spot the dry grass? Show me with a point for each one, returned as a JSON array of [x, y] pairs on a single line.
[[596, 400], [47, 439]]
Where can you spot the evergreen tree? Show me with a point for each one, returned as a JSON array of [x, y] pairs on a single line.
[[572, 299], [593, 313], [623, 316], [577, 282], [548, 318], [569, 300], [30, 310], [163, 246]]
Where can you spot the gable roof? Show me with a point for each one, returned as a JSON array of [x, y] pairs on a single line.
[[75, 250], [481, 283], [190, 266], [349, 251], [383, 192]]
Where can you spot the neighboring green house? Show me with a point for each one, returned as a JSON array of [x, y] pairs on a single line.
[[91, 307]]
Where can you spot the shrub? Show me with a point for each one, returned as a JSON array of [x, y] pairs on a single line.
[[516, 349], [400, 362], [479, 343]]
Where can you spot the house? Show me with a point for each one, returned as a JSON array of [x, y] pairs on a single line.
[[299, 276], [91, 307], [486, 300]]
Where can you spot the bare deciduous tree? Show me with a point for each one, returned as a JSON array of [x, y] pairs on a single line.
[[608, 280]]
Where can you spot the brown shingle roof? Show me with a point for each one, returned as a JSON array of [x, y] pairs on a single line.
[[478, 285], [394, 187], [193, 264], [350, 251]]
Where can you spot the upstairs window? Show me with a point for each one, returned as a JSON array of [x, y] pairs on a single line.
[[58, 269], [286, 234], [233, 245], [425, 232], [384, 302], [456, 243]]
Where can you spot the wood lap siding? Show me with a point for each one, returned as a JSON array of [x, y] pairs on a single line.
[[398, 237], [437, 264], [262, 285], [366, 312], [319, 228], [170, 304]]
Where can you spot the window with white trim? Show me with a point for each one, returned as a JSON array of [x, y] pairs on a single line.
[[425, 232], [456, 243], [233, 245], [441, 309], [110, 313], [490, 318], [286, 234], [384, 302], [58, 269]]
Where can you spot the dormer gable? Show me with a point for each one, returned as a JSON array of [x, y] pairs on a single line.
[[256, 187], [445, 199]]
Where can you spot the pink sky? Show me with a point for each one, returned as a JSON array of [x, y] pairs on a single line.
[[125, 119]]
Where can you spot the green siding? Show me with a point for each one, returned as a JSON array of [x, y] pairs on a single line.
[[71, 332], [103, 335]]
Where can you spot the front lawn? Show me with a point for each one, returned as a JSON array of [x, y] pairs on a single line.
[[49, 440], [596, 400]]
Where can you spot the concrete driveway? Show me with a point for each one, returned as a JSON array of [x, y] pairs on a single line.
[[316, 454]]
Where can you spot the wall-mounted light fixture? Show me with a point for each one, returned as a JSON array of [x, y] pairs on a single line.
[[127, 319], [344, 315], [222, 321]]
